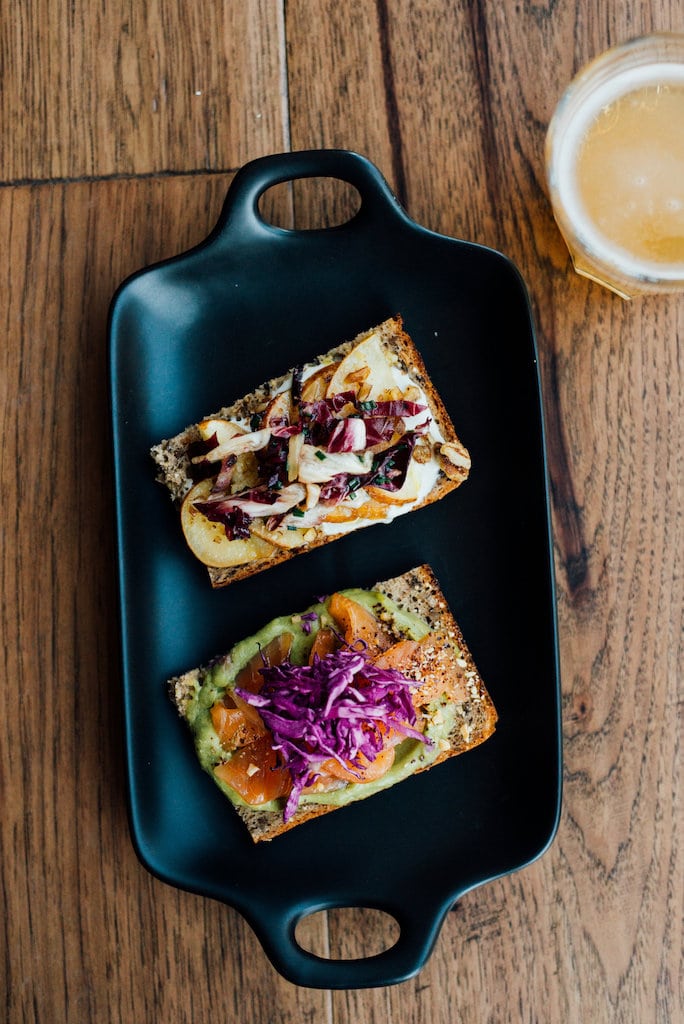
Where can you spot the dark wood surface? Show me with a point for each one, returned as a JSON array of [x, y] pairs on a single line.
[[122, 126]]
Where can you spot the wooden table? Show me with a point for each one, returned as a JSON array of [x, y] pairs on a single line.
[[122, 126]]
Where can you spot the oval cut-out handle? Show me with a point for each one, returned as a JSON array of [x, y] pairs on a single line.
[[418, 931], [241, 219], [351, 932]]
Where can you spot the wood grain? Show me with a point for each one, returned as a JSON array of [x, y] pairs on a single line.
[[468, 161], [451, 100], [88, 934], [135, 88]]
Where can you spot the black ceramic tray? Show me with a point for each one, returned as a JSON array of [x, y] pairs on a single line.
[[189, 335]]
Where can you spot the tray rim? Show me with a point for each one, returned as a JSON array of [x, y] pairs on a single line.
[[136, 831]]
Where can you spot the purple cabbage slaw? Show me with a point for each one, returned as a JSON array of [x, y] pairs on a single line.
[[339, 707]]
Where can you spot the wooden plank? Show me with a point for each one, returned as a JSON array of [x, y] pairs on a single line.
[[457, 124], [336, 70], [120, 88], [398, 83], [88, 934], [451, 100]]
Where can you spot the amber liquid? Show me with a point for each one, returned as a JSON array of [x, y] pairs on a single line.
[[629, 173]]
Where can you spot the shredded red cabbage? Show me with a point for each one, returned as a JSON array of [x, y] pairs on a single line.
[[307, 619], [339, 707]]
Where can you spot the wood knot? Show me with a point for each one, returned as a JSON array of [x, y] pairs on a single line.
[[581, 708]]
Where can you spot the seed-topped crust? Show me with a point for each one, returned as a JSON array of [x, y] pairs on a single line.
[[454, 678], [450, 457]]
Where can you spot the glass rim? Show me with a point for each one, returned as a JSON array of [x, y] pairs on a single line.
[[575, 108]]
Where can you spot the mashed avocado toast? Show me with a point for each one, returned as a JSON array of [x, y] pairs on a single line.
[[331, 705]]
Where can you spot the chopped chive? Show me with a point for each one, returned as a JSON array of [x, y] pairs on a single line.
[[320, 455], [299, 512]]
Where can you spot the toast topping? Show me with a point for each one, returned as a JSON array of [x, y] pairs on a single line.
[[328, 706], [352, 442], [337, 719], [333, 716]]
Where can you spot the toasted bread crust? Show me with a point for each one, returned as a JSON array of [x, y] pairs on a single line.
[[174, 467], [416, 591]]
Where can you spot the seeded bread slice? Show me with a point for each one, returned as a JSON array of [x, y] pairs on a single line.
[[417, 592], [174, 468]]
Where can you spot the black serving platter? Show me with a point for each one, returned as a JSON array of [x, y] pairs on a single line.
[[193, 333]]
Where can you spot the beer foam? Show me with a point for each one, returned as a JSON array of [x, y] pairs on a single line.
[[577, 117]]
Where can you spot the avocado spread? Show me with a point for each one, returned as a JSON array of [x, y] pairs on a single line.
[[220, 676]]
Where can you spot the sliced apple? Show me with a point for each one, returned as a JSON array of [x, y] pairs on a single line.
[[208, 541], [349, 376], [278, 409], [315, 387], [408, 492], [245, 473], [225, 430]]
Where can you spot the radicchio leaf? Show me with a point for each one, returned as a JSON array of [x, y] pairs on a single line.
[[296, 390], [381, 429], [235, 520], [225, 475], [348, 435], [391, 466], [196, 450], [272, 461], [396, 407], [340, 707]]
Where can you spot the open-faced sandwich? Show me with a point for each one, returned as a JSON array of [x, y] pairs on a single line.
[[333, 704], [356, 437]]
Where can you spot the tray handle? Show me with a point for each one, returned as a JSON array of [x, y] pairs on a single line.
[[419, 929], [240, 219]]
